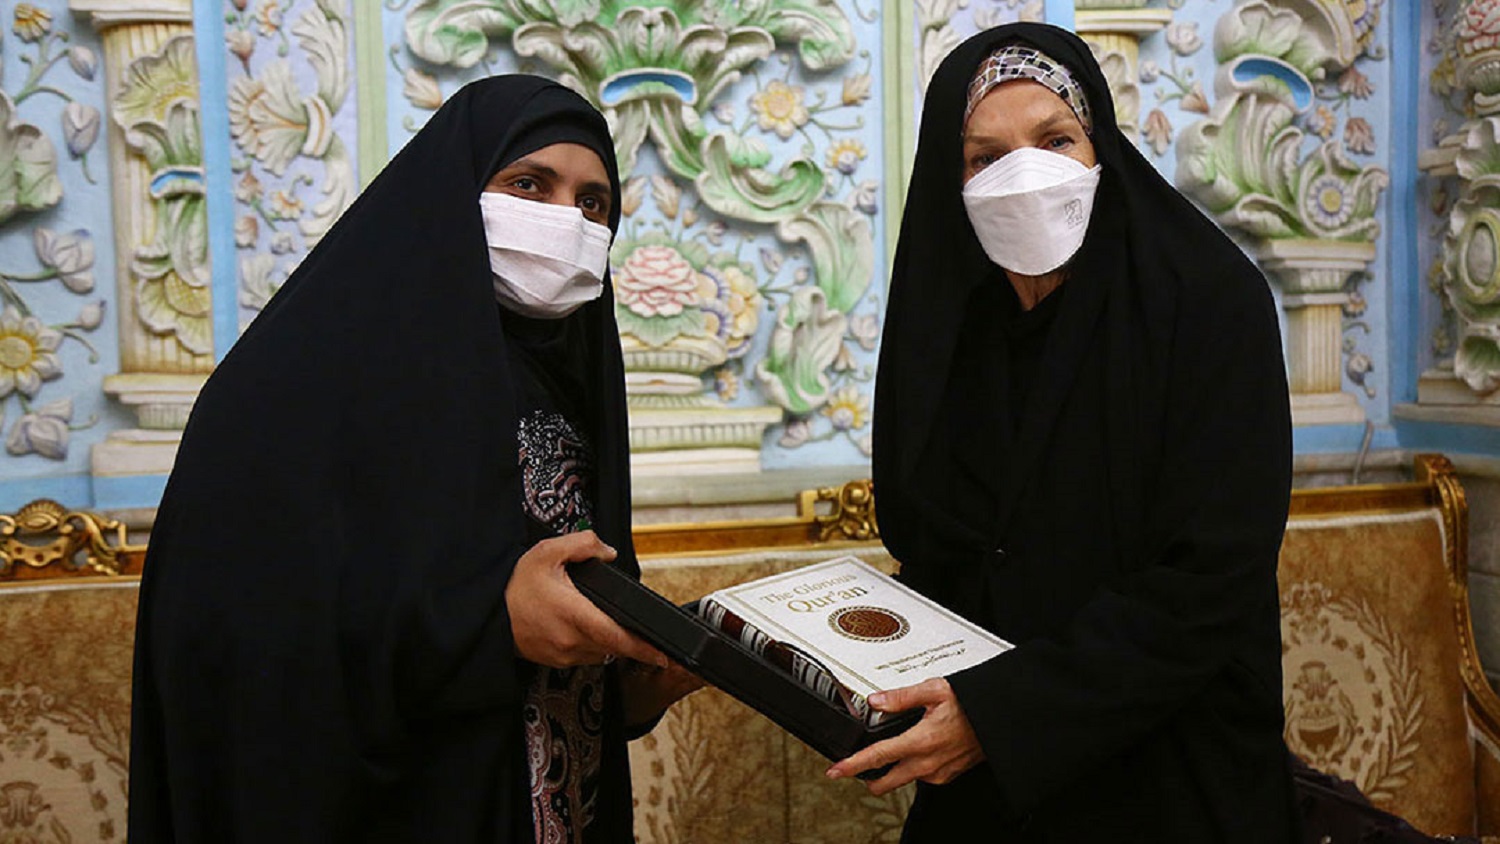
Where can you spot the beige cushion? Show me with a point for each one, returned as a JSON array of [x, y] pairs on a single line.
[[65, 708], [1370, 660]]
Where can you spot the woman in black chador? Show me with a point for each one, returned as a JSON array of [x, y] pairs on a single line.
[[356, 623], [1082, 441]]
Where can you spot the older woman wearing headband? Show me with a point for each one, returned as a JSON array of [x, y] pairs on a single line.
[[1083, 443]]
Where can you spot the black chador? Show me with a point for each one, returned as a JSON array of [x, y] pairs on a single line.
[[324, 653], [1103, 481]]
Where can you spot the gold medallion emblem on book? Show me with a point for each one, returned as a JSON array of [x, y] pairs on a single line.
[[869, 624]]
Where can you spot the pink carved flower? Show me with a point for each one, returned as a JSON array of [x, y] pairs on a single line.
[[1359, 137], [242, 44], [1355, 84], [1195, 100], [1158, 131], [1479, 27], [656, 281]]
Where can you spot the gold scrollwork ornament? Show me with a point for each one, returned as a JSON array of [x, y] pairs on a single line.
[[23, 539]]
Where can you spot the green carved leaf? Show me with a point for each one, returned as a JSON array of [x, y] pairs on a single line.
[[659, 330], [587, 52], [842, 247], [186, 235], [574, 12], [649, 36], [1256, 28], [1478, 364], [679, 135], [715, 59], [628, 126], [1479, 155], [1262, 216], [807, 338], [746, 151], [456, 32], [154, 84], [754, 194], [819, 28], [1244, 165], [28, 166]]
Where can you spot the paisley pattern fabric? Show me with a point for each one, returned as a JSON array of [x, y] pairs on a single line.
[[564, 708], [564, 714], [555, 469]]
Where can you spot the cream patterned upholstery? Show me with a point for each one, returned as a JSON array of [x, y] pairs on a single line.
[[68, 589], [1383, 686]]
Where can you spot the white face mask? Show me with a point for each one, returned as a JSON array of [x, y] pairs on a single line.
[[547, 260], [1031, 209]]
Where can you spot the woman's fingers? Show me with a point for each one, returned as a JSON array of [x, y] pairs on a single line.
[[552, 622]]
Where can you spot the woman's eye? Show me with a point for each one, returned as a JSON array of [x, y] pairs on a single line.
[[1060, 142], [981, 161], [525, 183]]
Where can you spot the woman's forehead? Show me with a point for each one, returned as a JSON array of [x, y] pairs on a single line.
[[564, 155], [1018, 105]]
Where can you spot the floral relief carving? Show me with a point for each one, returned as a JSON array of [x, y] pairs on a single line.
[[31, 345], [1470, 270], [276, 124], [938, 36], [1465, 274], [157, 106], [1245, 164], [1290, 72], [743, 154]]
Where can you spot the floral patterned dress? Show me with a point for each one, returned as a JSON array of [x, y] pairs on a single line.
[[563, 709]]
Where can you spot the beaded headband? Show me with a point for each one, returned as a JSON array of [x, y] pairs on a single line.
[[1015, 61]]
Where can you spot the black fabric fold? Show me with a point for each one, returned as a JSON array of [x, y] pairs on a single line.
[[1127, 538], [323, 650]]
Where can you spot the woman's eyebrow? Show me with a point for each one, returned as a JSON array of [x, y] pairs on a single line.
[[1059, 117], [536, 167]]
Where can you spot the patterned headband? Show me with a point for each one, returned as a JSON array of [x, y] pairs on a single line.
[[1015, 61]]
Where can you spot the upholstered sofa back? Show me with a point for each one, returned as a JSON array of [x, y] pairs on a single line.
[[65, 708], [1382, 684]]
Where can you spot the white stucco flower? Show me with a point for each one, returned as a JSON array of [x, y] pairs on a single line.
[[71, 254], [28, 353], [1183, 38], [80, 125], [84, 62], [44, 431]]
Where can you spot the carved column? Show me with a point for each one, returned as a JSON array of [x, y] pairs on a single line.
[[1313, 275], [1471, 248], [1115, 28], [161, 267]]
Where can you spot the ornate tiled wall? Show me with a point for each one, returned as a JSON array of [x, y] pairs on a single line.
[[57, 303], [746, 263], [142, 224]]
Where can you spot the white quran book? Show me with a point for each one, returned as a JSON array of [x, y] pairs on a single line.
[[847, 630]]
